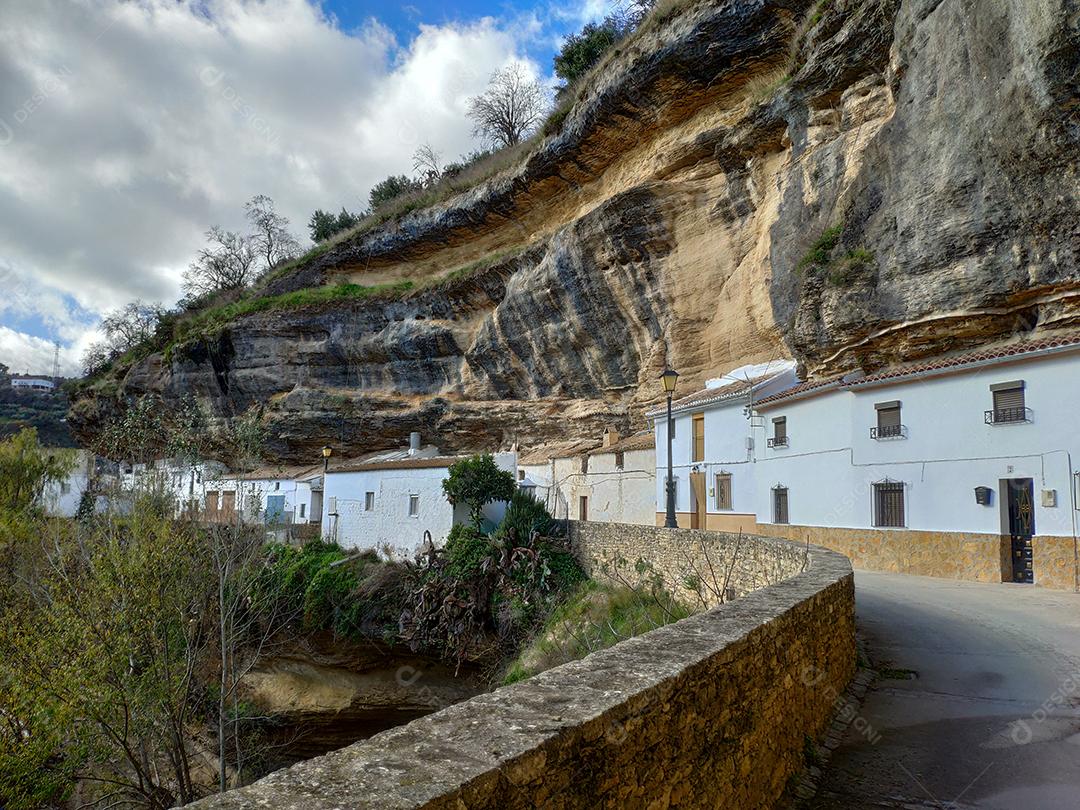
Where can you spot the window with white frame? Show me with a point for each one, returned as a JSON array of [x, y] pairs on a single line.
[[414, 506], [889, 504], [369, 501], [780, 504], [1009, 405], [723, 491]]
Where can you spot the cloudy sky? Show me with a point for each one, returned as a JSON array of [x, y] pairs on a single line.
[[128, 127]]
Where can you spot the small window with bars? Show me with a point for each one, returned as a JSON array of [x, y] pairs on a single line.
[[889, 504], [888, 421], [723, 491], [780, 436], [1009, 405], [369, 501], [414, 505], [584, 465], [699, 437], [620, 461], [780, 504]]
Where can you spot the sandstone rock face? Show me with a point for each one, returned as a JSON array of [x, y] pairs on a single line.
[[667, 221]]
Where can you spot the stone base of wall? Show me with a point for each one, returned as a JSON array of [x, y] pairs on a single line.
[[1055, 562], [951, 555]]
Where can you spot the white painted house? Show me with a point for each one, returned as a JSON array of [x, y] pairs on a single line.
[[392, 501], [713, 449], [964, 466], [62, 498], [271, 495], [612, 481], [33, 383]]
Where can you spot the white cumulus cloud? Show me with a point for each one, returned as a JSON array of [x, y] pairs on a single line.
[[127, 127]]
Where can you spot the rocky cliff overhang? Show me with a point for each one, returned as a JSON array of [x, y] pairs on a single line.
[[851, 183]]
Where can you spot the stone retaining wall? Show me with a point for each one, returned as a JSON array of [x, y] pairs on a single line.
[[712, 711], [696, 566], [953, 555]]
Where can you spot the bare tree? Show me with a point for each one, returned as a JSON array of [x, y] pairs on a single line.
[[511, 107], [426, 163], [130, 325], [271, 239], [227, 263]]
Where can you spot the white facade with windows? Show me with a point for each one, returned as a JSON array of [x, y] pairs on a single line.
[[610, 482], [274, 496], [951, 430], [714, 449], [391, 504]]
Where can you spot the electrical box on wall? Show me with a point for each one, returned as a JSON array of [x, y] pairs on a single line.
[[983, 495], [1049, 497]]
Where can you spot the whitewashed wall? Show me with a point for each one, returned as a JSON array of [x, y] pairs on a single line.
[[388, 526], [614, 495], [832, 462], [730, 447]]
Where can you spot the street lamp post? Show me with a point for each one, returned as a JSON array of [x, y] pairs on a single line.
[[326, 453], [669, 378]]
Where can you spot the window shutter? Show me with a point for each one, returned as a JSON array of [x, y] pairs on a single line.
[[1008, 398], [888, 418]]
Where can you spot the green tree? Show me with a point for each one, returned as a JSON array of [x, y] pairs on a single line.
[[322, 225], [390, 188], [477, 481], [98, 666], [582, 50], [26, 469]]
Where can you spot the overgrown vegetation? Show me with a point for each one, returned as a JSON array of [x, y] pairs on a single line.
[[839, 271], [594, 617]]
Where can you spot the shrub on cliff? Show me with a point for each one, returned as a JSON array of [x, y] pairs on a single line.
[[582, 50]]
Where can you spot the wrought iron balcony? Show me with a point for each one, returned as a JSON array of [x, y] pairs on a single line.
[[888, 432], [777, 441], [1007, 416]]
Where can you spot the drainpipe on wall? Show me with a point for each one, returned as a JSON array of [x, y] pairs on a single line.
[[1076, 544]]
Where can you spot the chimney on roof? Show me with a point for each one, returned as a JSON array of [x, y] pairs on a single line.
[[610, 437], [414, 443]]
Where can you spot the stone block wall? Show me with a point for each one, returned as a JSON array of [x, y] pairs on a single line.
[[711, 711], [695, 565], [952, 555]]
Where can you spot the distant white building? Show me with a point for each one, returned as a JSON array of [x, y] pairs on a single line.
[[713, 449], [272, 495], [62, 498], [33, 383], [392, 501], [612, 481]]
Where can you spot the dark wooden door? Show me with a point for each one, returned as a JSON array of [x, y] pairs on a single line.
[[1021, 527]]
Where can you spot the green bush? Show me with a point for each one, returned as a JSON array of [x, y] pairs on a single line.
[[466, 549], [582, 50], [524, 515], [820, 252]]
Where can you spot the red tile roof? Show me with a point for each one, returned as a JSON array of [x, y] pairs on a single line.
[[639, 441], [945, 364], [708, 396]]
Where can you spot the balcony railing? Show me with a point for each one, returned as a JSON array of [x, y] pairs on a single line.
[[1007, 416], [888, 432], [777, 441]]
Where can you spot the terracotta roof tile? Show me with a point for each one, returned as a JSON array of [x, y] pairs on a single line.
[[942, 364], [434, 462], [639, 441]]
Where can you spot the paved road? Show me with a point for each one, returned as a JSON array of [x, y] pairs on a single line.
[[992, 718]]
